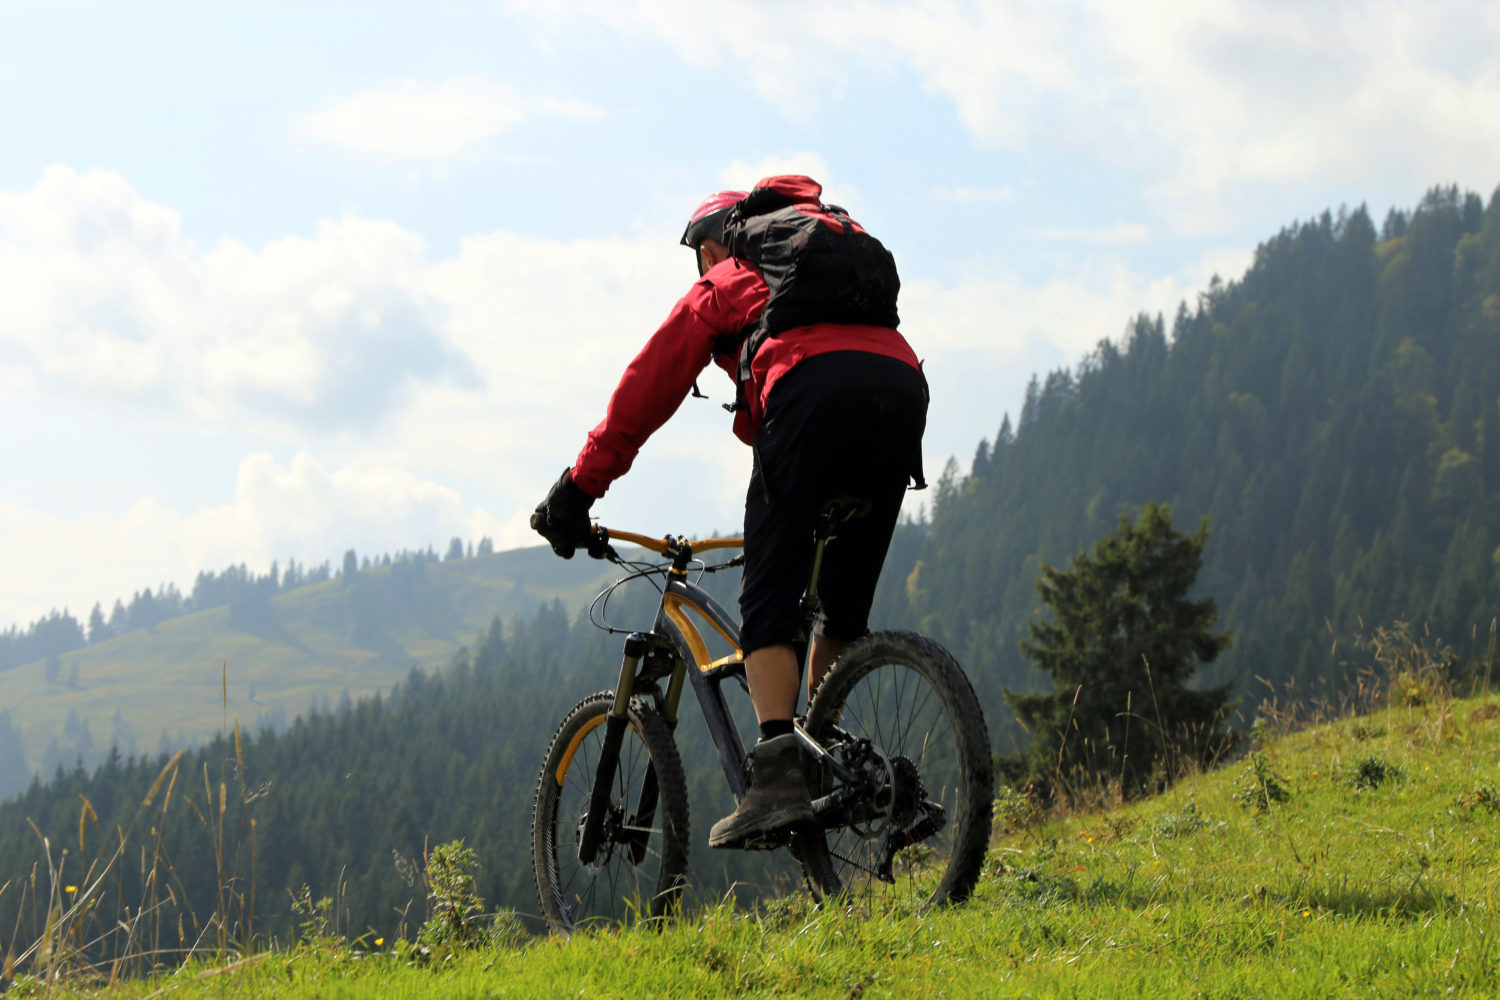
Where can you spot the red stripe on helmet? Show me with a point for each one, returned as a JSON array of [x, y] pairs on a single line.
[[707, 221]]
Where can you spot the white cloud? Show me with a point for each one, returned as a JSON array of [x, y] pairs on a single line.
[[742, 175], [304, 509], [1206, 101], [766, 42], [105, 300], [1215, 100], [426, 121], [268, 343], [1117, 234], [802, 56], [482, 372], [1246, 94], [551, 325]]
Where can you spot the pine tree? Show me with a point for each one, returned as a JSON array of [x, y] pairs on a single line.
[[1121, 643], [98, 627]]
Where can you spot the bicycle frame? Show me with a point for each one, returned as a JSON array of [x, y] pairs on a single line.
[[677, 636], [676, 639], [872, 793]]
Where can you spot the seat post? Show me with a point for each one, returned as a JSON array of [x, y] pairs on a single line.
[[834, 513]]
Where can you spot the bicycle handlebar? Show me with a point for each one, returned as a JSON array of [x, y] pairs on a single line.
[[601, 536]]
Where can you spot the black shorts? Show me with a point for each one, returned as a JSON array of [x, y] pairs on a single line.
[[846, 423]]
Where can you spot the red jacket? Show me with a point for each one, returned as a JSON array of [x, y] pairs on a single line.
[[725, 301]]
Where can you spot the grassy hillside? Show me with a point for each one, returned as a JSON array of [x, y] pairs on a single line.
[[1358, 858], [314, 643]]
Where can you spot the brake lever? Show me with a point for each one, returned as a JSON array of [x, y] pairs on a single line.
[[599, 547]]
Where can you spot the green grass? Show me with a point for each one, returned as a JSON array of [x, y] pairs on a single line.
[[168, 678], [1344, 887]]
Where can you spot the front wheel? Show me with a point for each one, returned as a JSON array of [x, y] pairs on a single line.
[[636, 871], [906, 812]]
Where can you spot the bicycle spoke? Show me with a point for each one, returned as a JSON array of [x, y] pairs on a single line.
[[897, 710]]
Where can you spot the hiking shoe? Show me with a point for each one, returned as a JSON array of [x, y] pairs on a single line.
[[777, 797]]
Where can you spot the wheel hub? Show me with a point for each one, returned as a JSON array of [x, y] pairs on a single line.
[[906, 793], [608, 838]]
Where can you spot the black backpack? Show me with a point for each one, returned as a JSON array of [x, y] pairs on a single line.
[[820, 266]]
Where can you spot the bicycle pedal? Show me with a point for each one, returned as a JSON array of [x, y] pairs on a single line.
[[767, 841], [784, 837]]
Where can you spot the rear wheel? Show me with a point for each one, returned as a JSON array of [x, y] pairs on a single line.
[[637, 870], [910, 816]]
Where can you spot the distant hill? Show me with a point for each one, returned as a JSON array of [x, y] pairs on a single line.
[[156, 688]]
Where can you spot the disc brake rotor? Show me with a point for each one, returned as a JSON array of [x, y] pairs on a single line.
[[608, 838]]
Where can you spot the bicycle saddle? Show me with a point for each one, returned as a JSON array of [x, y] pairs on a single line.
[[839, 510]]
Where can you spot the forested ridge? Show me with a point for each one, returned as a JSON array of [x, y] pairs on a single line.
[[1335, 413], [442, 756], [156, 687]]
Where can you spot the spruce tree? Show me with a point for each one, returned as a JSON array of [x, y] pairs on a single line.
[[1121, 642]]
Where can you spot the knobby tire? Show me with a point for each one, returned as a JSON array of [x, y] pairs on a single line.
[[898, 689], [616, 889]]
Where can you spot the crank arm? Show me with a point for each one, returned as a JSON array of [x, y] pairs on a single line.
[[825, 758]]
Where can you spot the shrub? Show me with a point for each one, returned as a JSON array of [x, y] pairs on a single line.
[[453, 907], [1016, 810], [1181, 823], [1260, 784], [1481, 797], [1372, 771]]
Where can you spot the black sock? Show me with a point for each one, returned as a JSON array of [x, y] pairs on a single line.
[[773, 728]]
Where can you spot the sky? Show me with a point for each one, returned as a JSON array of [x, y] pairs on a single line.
[[279, 280]]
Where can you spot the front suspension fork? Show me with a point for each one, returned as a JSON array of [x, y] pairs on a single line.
[[615, 724]]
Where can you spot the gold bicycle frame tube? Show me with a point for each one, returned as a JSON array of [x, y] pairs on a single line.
[[693, 663], [674, 622], [676, 608]]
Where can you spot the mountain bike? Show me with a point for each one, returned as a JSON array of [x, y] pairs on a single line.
[[894, 746]]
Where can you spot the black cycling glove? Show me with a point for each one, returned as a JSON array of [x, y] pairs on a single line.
[[563, 517]]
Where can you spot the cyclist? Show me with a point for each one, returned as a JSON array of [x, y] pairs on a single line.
[[830, 408]]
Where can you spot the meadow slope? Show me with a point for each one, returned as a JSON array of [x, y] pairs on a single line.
[[1358, 858]]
